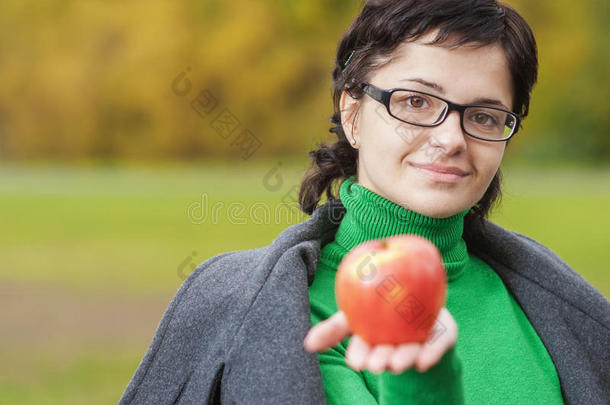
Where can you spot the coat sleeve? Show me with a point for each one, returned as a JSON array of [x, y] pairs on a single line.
[[184, 338]]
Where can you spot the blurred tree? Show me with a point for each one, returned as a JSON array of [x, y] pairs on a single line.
[[97, 78]]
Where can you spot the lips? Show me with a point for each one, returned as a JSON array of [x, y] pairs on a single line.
[[442, 169]]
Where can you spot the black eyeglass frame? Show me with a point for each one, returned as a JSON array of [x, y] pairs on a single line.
[[384, 97]]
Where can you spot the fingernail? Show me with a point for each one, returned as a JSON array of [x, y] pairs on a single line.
[[307, 343], [422, 366], [350, 361], [355, 367], [395, 368], [375, 369]]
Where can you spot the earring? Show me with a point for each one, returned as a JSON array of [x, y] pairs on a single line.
[[353, 141]]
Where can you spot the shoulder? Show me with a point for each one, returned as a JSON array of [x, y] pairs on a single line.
[[216, 281], [509, 246], [219, 297], [231, 281], [186, 331], [517, 257], [522, 254]]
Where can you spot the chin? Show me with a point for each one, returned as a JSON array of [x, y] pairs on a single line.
[[439, 214], [433, 209]]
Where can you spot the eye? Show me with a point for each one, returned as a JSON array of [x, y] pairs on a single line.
[[484, 119], [416, 102]]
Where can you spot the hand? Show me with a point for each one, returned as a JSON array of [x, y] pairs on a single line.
[[395, 358]]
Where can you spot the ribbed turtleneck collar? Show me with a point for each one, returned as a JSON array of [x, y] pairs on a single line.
[[371, 216]]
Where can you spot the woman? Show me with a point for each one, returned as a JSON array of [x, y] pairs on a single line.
[[427, 95], [423, 157]]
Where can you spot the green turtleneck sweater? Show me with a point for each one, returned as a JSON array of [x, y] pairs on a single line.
[[498, 357]]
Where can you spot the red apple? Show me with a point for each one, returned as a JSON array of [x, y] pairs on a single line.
[[391, 290]]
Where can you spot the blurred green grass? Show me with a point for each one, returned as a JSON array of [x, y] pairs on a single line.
[[94, 378], [127, 229]]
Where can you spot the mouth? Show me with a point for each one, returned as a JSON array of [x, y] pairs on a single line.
[[444, 175]]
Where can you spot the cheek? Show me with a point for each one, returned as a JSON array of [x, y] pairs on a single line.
[[386, 135], [413, 138], [487, 159]]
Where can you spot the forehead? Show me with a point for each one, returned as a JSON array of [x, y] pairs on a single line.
[[463, 73]]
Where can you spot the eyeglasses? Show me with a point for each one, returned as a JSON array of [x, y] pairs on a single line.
[[426, 110]]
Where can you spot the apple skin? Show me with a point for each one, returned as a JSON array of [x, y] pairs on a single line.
[[392, 289]]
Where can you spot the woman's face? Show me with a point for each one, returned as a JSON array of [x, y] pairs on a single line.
[[390, 150]]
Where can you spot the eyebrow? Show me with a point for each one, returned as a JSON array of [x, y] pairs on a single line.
[[490, 101], [440, 89], [434, 86]]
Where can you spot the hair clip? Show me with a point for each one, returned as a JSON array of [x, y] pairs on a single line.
[[348, 59]]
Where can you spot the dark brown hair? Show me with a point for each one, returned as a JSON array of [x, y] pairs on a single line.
[[380, 27]]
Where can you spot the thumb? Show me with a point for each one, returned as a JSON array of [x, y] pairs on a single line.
[[327, 333]]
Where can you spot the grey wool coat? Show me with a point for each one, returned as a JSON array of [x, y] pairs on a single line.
[[233, 332]]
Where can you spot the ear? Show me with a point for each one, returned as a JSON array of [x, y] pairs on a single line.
[[349, 116]]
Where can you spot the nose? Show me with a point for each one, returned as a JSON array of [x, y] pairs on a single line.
[[447, 138]]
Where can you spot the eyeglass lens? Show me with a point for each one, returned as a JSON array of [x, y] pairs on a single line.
[[420, 108]]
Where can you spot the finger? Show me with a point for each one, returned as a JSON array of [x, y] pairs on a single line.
[[441, 339], [379, 357], [357, 352], [404, 357], [327, 333]]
